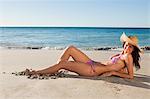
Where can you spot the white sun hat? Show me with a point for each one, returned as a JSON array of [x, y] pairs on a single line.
[[133, 40]]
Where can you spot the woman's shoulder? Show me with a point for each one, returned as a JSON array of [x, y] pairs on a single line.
[[127, 56]]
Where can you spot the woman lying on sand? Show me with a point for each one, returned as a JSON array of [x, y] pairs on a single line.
[[120, 65]]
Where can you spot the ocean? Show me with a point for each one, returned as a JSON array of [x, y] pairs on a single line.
[[61, 37]]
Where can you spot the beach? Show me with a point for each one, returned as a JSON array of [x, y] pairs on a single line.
[[71, 86], [35, 33]]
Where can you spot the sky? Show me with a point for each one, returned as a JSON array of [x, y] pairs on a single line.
[[75, 13]]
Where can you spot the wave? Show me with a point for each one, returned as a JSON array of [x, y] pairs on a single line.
[[145, 48]]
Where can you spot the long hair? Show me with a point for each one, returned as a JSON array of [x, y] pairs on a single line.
[[136, 57]]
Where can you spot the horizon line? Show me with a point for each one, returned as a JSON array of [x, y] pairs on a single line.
[[75, 26]]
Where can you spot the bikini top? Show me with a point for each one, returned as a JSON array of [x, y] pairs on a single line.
[[116, 58]]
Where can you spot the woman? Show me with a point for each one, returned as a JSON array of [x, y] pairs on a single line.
[[120, 65]]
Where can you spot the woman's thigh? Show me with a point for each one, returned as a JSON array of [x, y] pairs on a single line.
[[78, 67], [78, 55]]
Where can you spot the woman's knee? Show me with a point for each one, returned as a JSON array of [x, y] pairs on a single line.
[[71, 47]]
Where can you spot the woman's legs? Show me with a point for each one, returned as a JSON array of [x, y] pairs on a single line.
[[75, 53], [77, 67]]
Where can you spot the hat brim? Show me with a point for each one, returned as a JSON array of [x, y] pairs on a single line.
[[125, 38]]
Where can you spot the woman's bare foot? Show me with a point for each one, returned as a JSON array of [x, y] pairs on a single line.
[[33, 72], [28, 72]]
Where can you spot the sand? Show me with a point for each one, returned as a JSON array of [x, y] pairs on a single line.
[[72, 86]]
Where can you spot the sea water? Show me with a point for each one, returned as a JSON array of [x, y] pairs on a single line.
[[61, 37]]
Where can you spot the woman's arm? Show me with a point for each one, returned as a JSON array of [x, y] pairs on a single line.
[[115, 73], [129, 74], [123, 73], [114, 56]]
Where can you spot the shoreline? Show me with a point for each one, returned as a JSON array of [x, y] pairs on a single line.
[[144, 48]]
